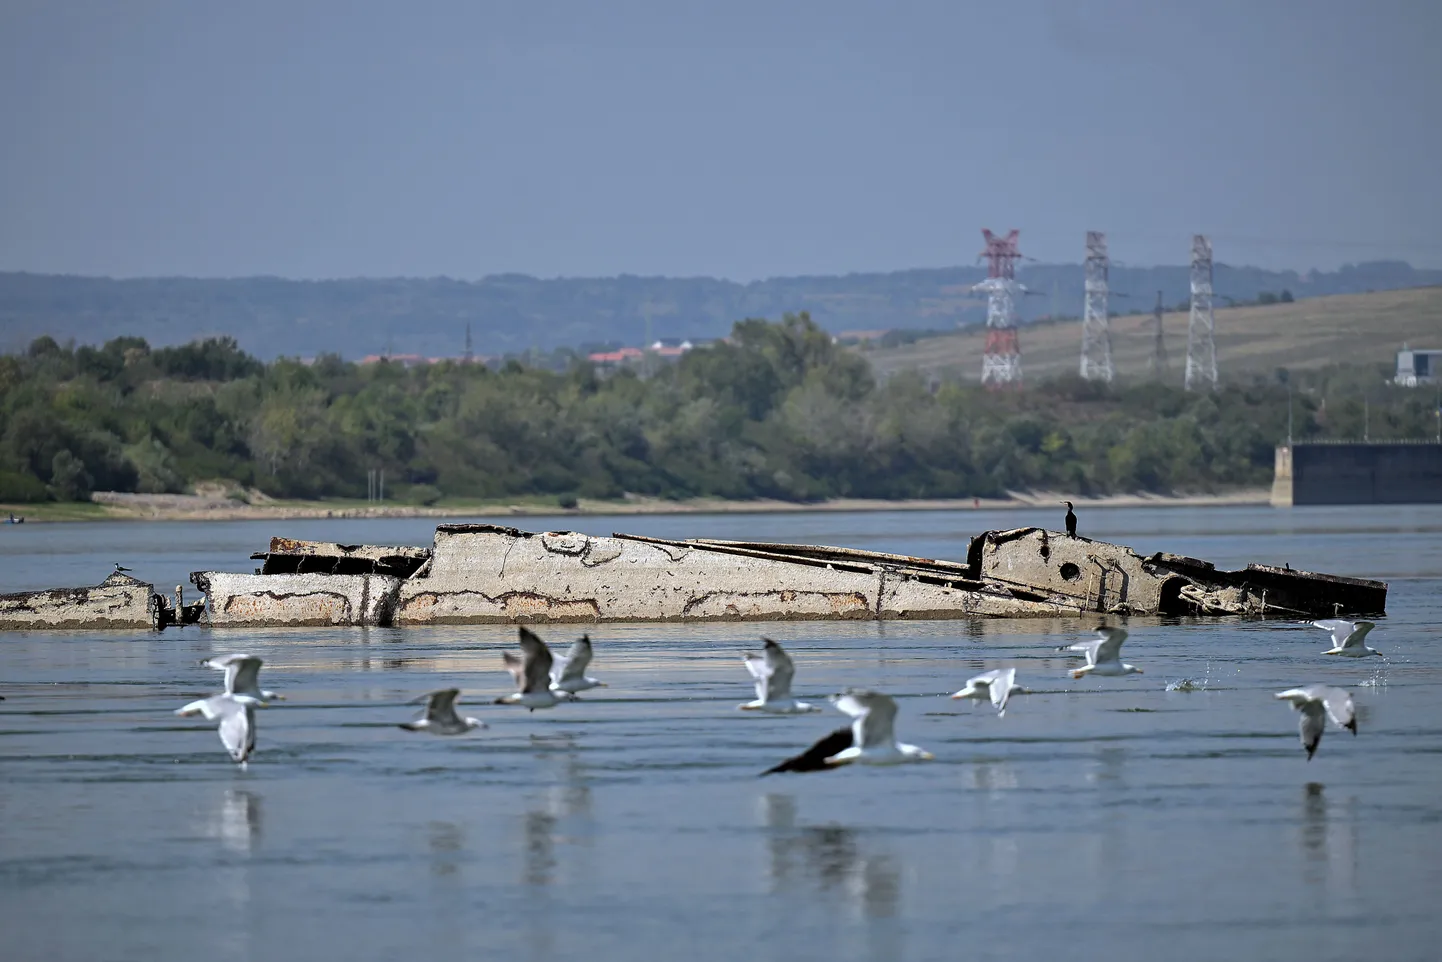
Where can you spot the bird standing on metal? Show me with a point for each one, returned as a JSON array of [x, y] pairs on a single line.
[[1070, 520]]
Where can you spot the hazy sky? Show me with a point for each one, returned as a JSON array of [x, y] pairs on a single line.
[[734, 139]]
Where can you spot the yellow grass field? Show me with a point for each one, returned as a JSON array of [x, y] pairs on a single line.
[[1310, 333]]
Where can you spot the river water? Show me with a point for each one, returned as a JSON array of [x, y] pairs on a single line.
[[1101, 818]]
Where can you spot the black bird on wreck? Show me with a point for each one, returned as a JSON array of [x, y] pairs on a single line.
[[1070, 520]]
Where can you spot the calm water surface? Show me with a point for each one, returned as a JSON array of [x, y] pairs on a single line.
[[1102, 818]]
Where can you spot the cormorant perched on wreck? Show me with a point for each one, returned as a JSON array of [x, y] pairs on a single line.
[[1070, 520]]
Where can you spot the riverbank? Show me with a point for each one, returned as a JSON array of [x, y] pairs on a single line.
[[114, 506]]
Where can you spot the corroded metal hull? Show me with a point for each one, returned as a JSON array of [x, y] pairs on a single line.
[[485, 573], [119, 601], [482, 573]]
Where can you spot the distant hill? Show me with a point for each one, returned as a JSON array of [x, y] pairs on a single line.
[[1343, 328], [512, 313]]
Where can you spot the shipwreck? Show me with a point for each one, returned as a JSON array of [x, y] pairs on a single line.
[[487, 573]]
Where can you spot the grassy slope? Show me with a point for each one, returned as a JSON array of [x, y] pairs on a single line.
[[58, 511], [1357, 328]]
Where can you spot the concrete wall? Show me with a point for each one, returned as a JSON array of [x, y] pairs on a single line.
[[1376, 473]]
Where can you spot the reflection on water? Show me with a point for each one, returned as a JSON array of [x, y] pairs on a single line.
[[562, 813], [446, 848], [998, 854], [236, 823], [991, 776], [571, 797], [236, 820], [1109, 768], [1328, 836], [832, 857], [538, 832], [446, 843]]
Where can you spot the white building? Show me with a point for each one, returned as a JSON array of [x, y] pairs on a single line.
[[1416, 367]]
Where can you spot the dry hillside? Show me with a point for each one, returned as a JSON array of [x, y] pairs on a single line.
[[1308, 333]]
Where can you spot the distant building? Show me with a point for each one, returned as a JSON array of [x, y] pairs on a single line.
[[1416, 367], [670, 347], [610, 360]]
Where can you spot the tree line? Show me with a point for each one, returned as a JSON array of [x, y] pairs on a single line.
[[777, 411]]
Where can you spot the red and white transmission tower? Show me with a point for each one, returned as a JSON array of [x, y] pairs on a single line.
[[1001, 362]]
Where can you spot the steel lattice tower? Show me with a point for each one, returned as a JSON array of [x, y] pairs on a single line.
[[1096, 356], [1159, 342], [1001, 362], [1201, 347]]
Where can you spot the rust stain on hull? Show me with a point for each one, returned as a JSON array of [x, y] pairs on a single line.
[[778, 605], [512, 607], [272, 609]]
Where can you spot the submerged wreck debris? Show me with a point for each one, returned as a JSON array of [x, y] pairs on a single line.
[[480, 573], [181, 612], [1111, 578], [486, 573], [290, 557], [119, 601]]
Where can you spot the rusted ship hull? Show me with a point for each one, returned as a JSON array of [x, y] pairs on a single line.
[[483, 573], [117, 602]]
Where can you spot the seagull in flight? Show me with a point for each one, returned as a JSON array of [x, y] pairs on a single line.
[[568, 675], [1104, 656], [236, 714], [440, 716], [1312, 702], [998, 685], [1347, 637], [870, 739], [242, 675], [532, 672], [773, 671]]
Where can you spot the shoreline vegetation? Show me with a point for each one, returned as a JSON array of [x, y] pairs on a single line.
[[778, 417], [116, 506]]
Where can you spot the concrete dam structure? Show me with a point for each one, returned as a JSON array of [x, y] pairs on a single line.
[[1363, 472]]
